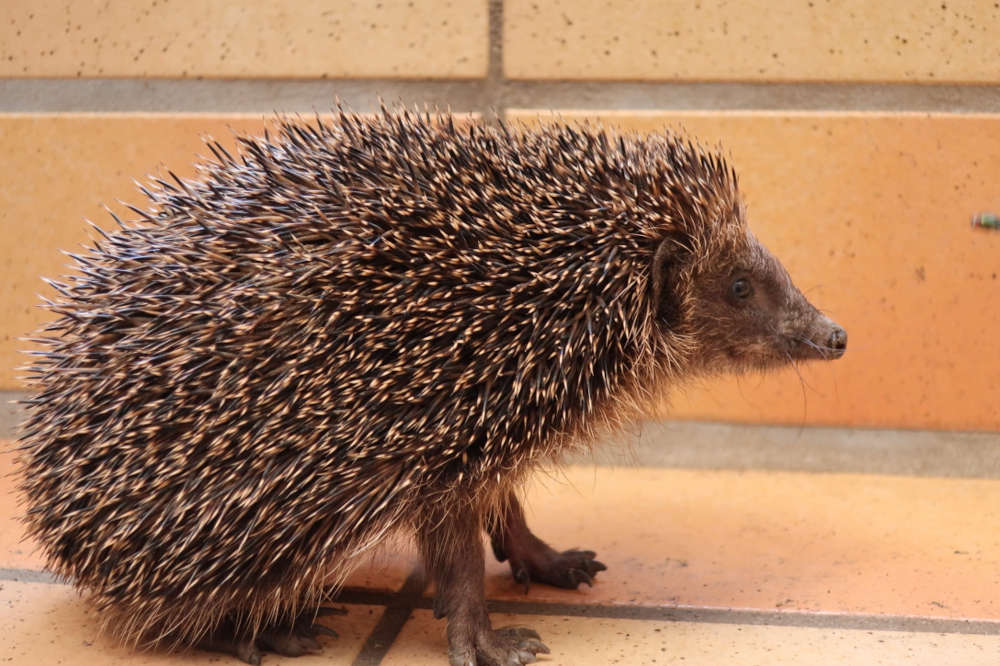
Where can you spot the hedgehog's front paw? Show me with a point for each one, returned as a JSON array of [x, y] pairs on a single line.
[[566, 569], [507, 646]]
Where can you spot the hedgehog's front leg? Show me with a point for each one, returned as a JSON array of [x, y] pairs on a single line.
[[531, 559], [452, 549]]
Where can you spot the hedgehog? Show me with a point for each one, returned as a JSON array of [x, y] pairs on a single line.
[[374, 325]]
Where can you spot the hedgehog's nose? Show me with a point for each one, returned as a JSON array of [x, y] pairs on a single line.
[[837, 344]]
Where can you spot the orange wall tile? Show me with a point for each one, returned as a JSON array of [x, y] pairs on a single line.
[[58, 170], [778, 40], [229, 38], [870, 214]]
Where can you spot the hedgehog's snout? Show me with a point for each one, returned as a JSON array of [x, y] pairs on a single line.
[[827, 340], [837, 344]]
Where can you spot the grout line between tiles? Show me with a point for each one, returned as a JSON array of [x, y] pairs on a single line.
[[31, 576], [397, 611], [265, 96], [399, 605], [744, 616], [494, 99]]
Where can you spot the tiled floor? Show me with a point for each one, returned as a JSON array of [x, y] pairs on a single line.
[[704, 567]]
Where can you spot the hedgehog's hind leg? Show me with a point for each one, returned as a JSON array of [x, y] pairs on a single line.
[[453, 554], [531, 559]]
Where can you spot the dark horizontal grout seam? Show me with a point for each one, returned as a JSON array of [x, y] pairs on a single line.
[[740, 616], [410, 597], [31, 576], [40, 95]]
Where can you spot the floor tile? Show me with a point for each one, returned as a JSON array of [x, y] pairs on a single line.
[[772, 540], [585, 641], [761, 540], [50, 624]]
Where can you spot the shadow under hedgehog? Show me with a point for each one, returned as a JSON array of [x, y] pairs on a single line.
[[375, 325]]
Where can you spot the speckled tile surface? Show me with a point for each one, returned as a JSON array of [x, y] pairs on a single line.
[[228, 38], [772, 541], [584, 641], [727, 539], [773, 566], [784, 40]]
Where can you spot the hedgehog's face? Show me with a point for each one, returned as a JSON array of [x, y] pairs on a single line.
[[744, 312]]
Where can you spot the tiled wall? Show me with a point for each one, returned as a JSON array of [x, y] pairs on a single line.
[[865, 134], [770, 40], [235, 38]]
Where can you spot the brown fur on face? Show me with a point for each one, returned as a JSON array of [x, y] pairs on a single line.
[[737, 302]]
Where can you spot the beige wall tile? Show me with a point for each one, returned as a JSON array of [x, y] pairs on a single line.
[[783, 40], [870, 213], [832, 543], [587, 641], [51, 624], [229, 38]]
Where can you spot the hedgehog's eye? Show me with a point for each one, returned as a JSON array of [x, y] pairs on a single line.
[[740, 289]]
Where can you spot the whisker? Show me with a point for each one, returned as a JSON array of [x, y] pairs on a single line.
[[809, 290], [802, 380], [822, 349], [802, 387], [819, 348]]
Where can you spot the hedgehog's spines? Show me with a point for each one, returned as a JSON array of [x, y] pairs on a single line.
[[334, 329]]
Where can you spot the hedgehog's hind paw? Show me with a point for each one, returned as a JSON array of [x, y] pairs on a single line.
[[244, 649], [289, 640], [531, 559], [298, 638], [287, 643]]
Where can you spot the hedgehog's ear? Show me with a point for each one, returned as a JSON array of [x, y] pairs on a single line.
[[671, 256]]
